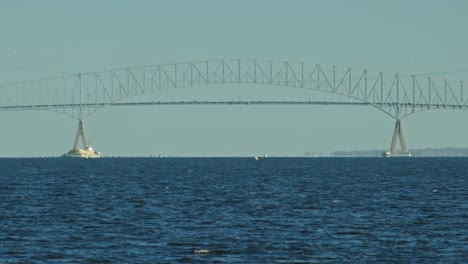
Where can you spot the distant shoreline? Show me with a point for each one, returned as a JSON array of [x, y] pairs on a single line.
[[415, 153], [421, 152]]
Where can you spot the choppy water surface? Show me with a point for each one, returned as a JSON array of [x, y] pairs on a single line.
[[234, 210]]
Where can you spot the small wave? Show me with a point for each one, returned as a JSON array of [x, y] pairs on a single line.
[[337, 201]]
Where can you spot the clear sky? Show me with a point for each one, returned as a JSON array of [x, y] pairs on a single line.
[[44, 38]]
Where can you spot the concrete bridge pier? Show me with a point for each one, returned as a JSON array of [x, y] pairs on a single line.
[[398, 136], [87, 151]]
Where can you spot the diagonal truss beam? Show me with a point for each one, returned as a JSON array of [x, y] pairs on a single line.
[[233, 82]]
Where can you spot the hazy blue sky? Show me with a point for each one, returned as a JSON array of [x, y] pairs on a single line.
[[44, 38]]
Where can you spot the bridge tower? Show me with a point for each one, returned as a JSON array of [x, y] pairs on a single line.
[[87, 151], [398, 136]]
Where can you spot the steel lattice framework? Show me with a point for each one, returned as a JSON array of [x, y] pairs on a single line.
[[233, 82]]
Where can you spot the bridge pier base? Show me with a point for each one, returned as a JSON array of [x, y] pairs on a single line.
[[398, 136], [87, 151]]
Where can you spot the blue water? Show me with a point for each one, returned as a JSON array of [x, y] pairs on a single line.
[[291, 210]]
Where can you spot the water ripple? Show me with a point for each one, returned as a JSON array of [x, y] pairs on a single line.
[[234, 210]]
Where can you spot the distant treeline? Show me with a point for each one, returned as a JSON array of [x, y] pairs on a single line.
[[427, 152]]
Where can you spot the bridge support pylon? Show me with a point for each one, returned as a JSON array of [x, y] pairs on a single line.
[[398, 136], [87, 151]]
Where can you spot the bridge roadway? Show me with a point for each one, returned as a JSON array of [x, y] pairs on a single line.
[[54, 106]]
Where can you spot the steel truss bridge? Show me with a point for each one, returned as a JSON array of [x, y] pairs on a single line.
[[235, 82]]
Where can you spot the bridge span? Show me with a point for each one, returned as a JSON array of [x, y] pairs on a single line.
[[256, 82]]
